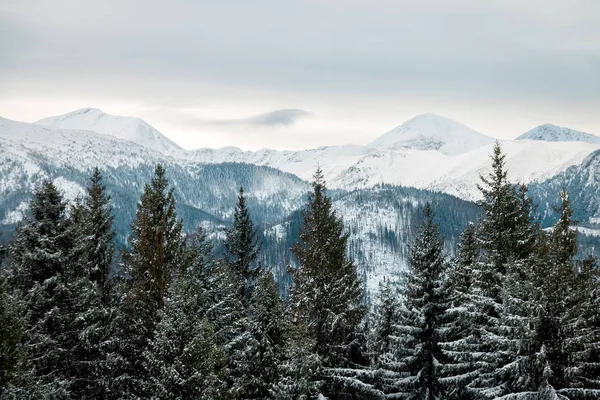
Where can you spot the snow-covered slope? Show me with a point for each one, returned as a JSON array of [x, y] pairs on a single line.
[[428, 152], [553, 133], [432, 132], [127, 128]]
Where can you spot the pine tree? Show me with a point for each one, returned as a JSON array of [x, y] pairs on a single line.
[[156, 244], [41, 267], [264, 349], [555, 280], [156, 251], [383, 339], [461, 338], [184, 359], [242, 247], [98, 233], [327, 294], [298, 371], [12, 355], [421, 326], [502, 298]]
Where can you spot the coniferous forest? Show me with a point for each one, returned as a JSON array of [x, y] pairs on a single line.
[[513, 314]]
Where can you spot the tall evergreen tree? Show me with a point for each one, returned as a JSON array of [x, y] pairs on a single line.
[[422, 323], [156, 243], [12, 355], [156, 251], [98, 234], [184, 359], [461, 335], [40, 270], [264, 349], [501, 300], [242, 247], [383, 337], [327, 293]]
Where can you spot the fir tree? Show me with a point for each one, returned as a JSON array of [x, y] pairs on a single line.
[[242, 247], [40, 270], [156, 244], [12, 355], [421, 326], [502, 300], [461, 337], [98, 233], [157, 251], [327, 294], [264, 350], [184, 359], [383, 339]]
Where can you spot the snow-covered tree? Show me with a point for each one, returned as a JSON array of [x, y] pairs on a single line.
[[242, 247], [501, 300], [265, 325], [421, 327], [383, 339], [156, 244], [12, 355], [461, 338], [327, 292], [184, 359], [327, 295], [41, 266], [156, 251], [97, 247]]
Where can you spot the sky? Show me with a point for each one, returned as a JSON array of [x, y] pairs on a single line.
[[293, 74]]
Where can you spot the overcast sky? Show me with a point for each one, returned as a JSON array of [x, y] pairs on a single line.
[[292, 74]]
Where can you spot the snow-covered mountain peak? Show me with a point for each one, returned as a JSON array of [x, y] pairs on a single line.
[[432, 132], [129, 128], [553, 133]]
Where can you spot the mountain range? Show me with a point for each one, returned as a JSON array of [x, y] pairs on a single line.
[[440, 159]]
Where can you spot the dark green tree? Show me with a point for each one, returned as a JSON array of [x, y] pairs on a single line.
[[422, 323], [41, 267], [156, 251], [327, 294], [184, 360], [97, 233], [242, 247]]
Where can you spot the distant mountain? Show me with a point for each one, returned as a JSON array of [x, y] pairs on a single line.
[[553, 133], [432, 132], [583, 184], [31, 153], [127, 128], [379, 218], [427, 152]]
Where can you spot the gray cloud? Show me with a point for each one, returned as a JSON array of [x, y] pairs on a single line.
[[270, 119]]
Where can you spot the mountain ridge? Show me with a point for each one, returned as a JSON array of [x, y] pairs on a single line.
[[553, 133], [132, 129]]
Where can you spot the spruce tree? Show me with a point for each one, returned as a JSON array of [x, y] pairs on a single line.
[[422, 324], [327, 294], [184, 359], [264, 350], [502, 300], [41, 267], [98, 233], [156, 251], [383, 338], [155, 245], [461, 336], [242, 247], [12, 355]]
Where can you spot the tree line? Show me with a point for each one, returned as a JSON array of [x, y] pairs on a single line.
[[514, 315]]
